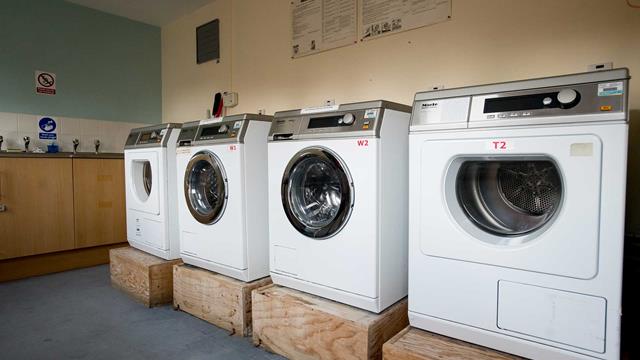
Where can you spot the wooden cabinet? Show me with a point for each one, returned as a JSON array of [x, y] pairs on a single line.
[[38, 195], [99, 202]]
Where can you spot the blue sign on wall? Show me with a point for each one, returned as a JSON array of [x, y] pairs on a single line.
[[47, 127]]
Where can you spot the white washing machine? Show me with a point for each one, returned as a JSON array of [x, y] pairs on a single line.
[[338, 202], [150, 162], [517, 199], [222, 195]]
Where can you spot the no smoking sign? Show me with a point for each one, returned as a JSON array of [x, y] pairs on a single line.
[[45, 82]]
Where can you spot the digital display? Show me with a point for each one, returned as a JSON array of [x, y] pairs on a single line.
[[324, 122], [145, 137], [208, 131], [524, 102]]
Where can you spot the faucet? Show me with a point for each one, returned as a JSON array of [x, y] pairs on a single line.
[[26, 140], [97, 145], [1, 141], [76, 143]]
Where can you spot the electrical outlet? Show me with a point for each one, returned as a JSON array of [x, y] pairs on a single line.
[[262, 111], [437, 87], [600, 66], [229, 99], [329, 102]]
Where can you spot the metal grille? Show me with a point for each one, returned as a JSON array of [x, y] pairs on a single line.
[[533, 187]]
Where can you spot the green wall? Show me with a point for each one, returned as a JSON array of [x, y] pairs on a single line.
[[107, 67]]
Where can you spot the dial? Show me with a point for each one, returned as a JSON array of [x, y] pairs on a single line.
[[223, 129], [547, 101], [568, 98], [348, 119]]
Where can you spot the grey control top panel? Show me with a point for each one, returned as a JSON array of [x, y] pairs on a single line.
[[356, 119], [188, 133], [151, 136], [228, 129], [597, 96]]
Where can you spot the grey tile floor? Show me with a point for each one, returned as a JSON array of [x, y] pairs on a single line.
[[78, 315]]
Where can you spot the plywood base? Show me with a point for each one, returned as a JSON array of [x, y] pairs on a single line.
[[298, 325], [28, 266], [416, 344], [147, 278], [218, 299]]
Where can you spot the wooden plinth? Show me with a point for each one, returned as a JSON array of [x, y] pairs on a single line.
[[298, 325], [147, 278], [416, 344], [218, 299]]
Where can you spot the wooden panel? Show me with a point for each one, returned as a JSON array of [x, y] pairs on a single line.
[[99, 202], [303, 326], [416, 344], [218, 299], [24, 267], [146, 278], [38, 194]]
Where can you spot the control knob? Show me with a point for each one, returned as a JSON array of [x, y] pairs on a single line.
[[568, 98], [348, 119], [223, 129]]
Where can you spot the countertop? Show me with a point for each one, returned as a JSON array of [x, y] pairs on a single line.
[[62, 155]]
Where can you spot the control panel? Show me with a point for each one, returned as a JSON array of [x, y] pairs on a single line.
[[356, 121], [188, 133], [151, 136], [223, 130], [579, 99]]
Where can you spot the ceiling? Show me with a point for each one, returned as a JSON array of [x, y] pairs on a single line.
[[154, 12]]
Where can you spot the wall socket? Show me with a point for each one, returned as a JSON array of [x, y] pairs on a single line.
[[600, 66], [436, 87], [262, 112], [329, 102]]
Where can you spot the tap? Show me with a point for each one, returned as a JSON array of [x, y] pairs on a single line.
[[76, 143], [26, 140], [1, 141], [97, 145]]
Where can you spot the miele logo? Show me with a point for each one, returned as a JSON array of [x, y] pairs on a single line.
[[429, 105]]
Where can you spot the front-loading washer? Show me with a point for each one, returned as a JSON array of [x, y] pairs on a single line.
[[338, 202], [222, 195], [149, 158], [517, 196]]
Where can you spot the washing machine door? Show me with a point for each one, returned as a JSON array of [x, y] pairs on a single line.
[[317, 192], [205, 187], [509, 197]]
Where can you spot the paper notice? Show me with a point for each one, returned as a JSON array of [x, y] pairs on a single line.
[[382, 17], [319, 25]]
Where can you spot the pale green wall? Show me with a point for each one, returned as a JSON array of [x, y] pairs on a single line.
[[107, 67]]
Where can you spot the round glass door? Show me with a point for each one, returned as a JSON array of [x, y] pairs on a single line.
[[142, 178], [205, 187], [511, 197], [317, 193]]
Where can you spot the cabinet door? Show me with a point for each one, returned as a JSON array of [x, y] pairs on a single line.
[[98, 187], [38, 195]]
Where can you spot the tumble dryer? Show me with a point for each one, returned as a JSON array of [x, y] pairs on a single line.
[[222, 195], [338, 202], [517, 197], [150, 162]]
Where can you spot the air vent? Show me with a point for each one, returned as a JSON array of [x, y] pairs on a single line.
[[208, 42]]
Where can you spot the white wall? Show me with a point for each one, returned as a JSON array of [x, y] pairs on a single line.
[[485, 41]]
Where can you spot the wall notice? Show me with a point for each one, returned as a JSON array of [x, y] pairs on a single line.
[[45, 82], [382, 17], [319, 25]]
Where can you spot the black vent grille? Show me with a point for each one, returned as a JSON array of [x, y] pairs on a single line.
[[208, 42]]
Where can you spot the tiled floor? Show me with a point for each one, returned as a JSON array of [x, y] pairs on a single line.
[[78, 315]]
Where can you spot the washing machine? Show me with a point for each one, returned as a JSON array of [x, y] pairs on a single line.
[[338, 202], [517, 199], [222, 195], [150, 162]]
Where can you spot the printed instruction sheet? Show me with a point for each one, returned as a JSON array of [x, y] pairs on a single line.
[[319, 25], [382, 17]]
